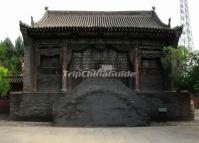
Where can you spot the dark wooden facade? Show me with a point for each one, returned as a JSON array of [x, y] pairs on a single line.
[[77, 40]]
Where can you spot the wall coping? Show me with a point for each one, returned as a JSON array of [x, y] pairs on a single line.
[[36, 93]]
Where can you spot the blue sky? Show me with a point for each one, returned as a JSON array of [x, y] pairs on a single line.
[[11, 11]]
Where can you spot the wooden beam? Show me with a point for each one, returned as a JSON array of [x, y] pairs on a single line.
[[136, 70], [34, 84], [64, 69]]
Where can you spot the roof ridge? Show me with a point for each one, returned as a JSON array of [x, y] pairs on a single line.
[[100, 12]]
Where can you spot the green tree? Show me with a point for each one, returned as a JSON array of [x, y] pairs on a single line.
[[185, 67], [11, 56], [19, 45], [193, 73], [4, 84]]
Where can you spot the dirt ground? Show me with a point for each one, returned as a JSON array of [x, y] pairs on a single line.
[[44, 132]]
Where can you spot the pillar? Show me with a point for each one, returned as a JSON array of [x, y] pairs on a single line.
[[34, 84], [136, 70], [64, 70], [27, 59]]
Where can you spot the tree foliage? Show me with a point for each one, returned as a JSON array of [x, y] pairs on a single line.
[[4, 84], [11, 55], [185, 67]]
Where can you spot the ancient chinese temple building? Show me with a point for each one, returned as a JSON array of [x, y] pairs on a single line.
[[63, 41]]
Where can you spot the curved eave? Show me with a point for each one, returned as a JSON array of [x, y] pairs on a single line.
[[24, 25], [100, 29], [44, 18], [159, 21], [178, 31], [174, 32]]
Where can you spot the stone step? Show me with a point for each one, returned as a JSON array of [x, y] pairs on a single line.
[[96, 102]]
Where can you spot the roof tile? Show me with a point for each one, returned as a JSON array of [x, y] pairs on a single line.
[[93, 19]]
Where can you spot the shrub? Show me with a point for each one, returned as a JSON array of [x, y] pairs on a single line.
[[4, 83]]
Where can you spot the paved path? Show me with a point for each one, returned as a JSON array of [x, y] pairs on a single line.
[[165, 134]]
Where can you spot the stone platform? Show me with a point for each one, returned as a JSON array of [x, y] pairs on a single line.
[[101, 102]]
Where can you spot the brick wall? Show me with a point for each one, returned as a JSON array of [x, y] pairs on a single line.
[[178, 105], [32, 106], [39, 106]]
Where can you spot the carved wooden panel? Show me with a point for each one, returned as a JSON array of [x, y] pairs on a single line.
[[113, 58], [87, 59], [122, 61], [49, 69], [93, 58], [77, 61], [151, 74]]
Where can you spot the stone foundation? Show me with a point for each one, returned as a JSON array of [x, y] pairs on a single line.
[[45, 107], [178, 105], [32, 106]]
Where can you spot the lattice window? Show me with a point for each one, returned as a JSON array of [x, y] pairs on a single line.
[[93, 59], [77, 61], [87, 60], [122, 61], [49, 64], [112, 58]]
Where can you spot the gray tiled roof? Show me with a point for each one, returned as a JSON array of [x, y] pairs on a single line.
[[100, 19]]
